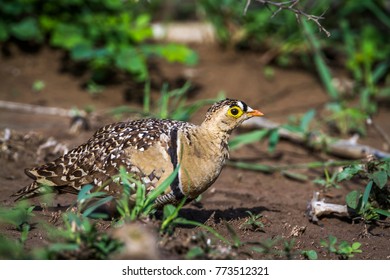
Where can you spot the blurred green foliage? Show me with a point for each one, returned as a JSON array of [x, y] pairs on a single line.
[[374, 202], [359, 43], [108, 34], [357, 28], [254, 30]]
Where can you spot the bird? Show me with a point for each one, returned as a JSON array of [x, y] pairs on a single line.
[[150, 150]]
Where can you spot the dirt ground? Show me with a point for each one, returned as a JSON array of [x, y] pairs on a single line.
[[280, 201]]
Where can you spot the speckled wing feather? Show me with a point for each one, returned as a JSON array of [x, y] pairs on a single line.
[[96, 161]]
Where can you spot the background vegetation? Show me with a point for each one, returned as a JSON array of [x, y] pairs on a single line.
[[115, 36]]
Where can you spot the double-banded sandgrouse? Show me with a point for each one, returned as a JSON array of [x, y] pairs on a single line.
[[149, 149]]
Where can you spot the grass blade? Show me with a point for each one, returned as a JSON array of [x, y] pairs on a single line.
[[295, 176], [366, 194], [82, 195], [147, 97], [96, 205], [322, 68], [247, 138], [252, 166]]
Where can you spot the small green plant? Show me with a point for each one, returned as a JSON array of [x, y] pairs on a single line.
[[281, 248], [38, 86], [330, 181], [374, 202], [309, 254], [302, 123], [19, 217], [171, 219], [170, 214], [88, 202], [135, 201], [366, 61], [346, 119], [344, 250], [105, 35], [79, 239], [253, 221], [94, 89], [171, 104]]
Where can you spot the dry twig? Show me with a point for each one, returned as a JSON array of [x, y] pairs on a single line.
[[291, 6], [347, 148]]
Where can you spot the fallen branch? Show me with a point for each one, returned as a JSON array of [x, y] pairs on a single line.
[[347, 148], [317, 208], [78, 118], [36, 109]]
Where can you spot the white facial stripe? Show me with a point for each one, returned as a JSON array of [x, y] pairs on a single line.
[[239, 103], [249, 109]]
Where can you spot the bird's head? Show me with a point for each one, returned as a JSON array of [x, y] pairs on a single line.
[[226, 115]]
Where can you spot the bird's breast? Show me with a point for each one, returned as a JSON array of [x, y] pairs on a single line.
[[200, 165]]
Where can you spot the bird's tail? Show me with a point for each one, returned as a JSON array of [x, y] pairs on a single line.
[[32, 190]]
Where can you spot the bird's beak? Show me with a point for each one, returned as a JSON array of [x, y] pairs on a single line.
[[254, 113]]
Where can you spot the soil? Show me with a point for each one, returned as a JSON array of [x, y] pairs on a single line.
[[280, 201]]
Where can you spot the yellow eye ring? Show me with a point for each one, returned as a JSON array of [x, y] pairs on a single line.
[[235, 112]]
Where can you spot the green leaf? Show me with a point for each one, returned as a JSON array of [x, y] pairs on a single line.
[[170, 214], [68, 36], [247, 138], [349, 172], [96, 205], [324, 243], [58, 247], [84, 192], [174, 53], [310, 254], [47, 23], [169, 209], [194, 252], [380, 178], [366, 194], [27, 29], [253, 166], [273, 140], [142, 20], [306, 119], [4, 35], [352, 199], [295, 176], [129, 59], [236, 240], [356, 245], [322, 68], [82, 52], [382, 212], [38, 85]]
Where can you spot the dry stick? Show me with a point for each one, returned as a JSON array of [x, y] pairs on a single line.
[[289, 5], [36, 109], [348, 148], [79, 117]]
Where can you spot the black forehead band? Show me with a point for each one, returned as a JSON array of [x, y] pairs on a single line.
[[243, 104]]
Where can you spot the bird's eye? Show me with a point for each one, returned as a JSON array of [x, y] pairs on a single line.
[[235, 112]]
